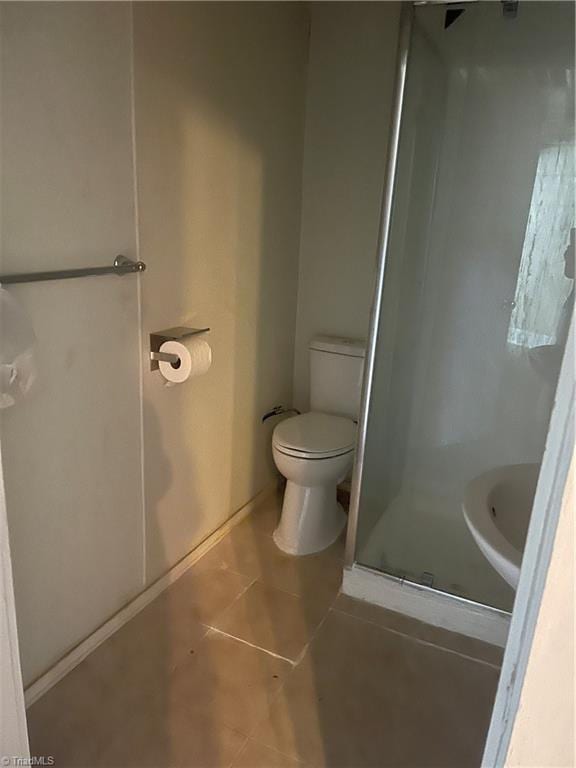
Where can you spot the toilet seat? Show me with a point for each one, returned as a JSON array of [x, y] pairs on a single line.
[[311, 456], [315, 436]]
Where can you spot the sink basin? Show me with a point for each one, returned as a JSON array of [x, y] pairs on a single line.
[[497, 507]]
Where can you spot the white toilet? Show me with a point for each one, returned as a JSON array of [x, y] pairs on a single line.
[[315, 451]]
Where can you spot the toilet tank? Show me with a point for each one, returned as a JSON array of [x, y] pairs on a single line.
[[336, 366]]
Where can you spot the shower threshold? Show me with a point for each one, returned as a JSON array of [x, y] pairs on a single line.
[[440, 609]]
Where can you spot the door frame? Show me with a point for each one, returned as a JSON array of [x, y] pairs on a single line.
[[552, 484], [13, 729]]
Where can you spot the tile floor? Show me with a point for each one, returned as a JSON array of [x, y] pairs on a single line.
[[253, 660]]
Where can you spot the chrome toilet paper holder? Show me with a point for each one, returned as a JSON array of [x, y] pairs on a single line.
[[170, 334]]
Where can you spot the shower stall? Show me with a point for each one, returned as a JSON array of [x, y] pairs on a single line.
[[474, 291]]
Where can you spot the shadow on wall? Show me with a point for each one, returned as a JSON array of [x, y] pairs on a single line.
[[219, 128], [219, 113], [219, 98]]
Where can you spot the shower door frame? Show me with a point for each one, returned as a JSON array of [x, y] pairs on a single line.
[[404, 37], [553, 480], [460, 614], [497, 618]]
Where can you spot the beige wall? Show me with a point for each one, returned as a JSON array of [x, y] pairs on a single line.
[[219, 101], [217, 94], [219, 118], [350, 89], [71, 451], [543, 732]]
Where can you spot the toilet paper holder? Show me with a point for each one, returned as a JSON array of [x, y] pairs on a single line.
[[170, 334]]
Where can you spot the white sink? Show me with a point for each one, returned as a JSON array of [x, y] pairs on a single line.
[[497, 507]]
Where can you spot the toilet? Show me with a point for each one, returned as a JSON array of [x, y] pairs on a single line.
[[315, 451]]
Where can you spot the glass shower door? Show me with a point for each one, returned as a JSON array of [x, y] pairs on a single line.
[[478, 283]]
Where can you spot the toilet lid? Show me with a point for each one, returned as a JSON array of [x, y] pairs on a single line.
[[316, 433]]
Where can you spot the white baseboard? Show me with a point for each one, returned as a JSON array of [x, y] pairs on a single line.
[[437, 608], [67, 663]]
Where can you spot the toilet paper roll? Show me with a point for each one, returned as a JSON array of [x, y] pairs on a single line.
[[195, 357]]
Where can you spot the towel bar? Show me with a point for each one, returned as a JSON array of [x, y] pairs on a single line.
[[122, 266]]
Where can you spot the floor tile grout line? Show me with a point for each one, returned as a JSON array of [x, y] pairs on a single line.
[[315, 632], [226, 567], [285, 591], [239, 751], [251, 645], [299, 760], [255, 580], [234, 601], [258, 722], [419, 640], [275, 697], [293, 663], [261, 579]]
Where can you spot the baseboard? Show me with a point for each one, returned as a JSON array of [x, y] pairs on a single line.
[[437, 608], [67, 663]]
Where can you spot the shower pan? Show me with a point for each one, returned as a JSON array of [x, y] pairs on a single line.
[[473, 295]]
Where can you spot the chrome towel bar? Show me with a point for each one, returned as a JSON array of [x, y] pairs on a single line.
[[122, 266]]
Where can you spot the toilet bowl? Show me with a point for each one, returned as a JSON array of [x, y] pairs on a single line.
[[314, 452]]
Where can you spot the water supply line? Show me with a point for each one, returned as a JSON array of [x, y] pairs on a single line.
[[279, 410]]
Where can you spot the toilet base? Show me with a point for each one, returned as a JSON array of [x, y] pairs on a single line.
[[311, 519]]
